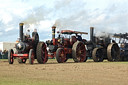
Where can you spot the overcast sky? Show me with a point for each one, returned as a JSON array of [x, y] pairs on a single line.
[[110, 16]]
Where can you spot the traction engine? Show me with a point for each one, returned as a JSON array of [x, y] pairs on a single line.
[[68, 44], [28, 48], [102, 47]]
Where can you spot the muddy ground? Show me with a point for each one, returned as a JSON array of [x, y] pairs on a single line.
[[70, 73]]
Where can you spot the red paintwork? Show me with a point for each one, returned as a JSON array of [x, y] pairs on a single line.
[[55, 41], [51, 56], [67, 32], [66, 44], [31, 39], [68, 50], [21, 55], [72, 32], [80, 48], [32, 57], [46, 53], [62, 55]]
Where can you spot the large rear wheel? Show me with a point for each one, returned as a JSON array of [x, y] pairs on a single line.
[[79, 52], [113, 52], [97, 55], [41, 53], [10, 56]]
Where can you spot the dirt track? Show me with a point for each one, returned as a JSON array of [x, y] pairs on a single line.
[[52, 73]]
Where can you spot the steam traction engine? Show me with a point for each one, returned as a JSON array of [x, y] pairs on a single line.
[[123, 41], [64, 47], [102, 47], [28, 48]]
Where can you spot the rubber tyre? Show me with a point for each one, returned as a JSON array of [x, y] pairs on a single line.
[[10, 56]]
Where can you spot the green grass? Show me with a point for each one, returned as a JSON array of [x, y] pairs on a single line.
[[21, 81], [3, 59], [10, 81], [125, 62]]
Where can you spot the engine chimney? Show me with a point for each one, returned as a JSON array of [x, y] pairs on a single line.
[[53, 32], [21, 31], [92, 34]]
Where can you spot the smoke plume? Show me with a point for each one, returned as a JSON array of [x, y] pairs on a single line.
[[105, 16]]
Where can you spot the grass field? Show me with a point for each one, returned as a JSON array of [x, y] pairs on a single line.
[[70, 73]]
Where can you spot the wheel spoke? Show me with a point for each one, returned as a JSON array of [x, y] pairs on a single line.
[[82, 58], [97, 55], [82, 49], [43, 52], [60, 55]]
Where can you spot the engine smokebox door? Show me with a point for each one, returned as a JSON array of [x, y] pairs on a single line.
[[53, 48]]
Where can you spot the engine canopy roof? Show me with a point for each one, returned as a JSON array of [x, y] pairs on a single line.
[[72, 32]]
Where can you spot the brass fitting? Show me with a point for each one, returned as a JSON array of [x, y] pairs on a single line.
[[21, 24]]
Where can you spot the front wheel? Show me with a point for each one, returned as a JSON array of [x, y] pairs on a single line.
[[10, 56], [97, 55], [60, 55], [31, 56]]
